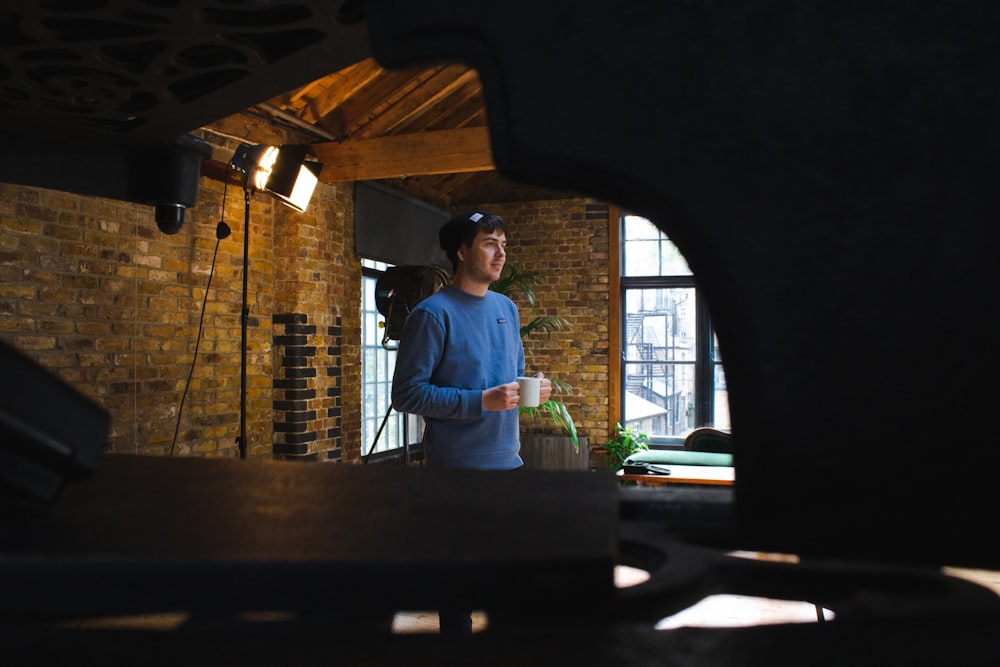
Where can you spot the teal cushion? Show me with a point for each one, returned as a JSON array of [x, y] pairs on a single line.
[[681, 457]]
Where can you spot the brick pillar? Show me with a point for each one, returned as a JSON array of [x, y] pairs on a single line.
[[294, 387], [306, 403]]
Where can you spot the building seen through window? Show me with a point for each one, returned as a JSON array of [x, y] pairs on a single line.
[[672, 374]]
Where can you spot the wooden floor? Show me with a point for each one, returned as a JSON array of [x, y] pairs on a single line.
[[714, 611]]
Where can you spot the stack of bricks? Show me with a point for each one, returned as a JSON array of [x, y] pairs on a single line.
[[306, 389]]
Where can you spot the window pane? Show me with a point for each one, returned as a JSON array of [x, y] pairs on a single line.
[[660, 324], [662, 364], [660, 350], [720, 407], [646, 251], [377, 365], [659, 398]]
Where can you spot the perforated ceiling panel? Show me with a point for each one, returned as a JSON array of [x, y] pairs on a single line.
[[132, 72]]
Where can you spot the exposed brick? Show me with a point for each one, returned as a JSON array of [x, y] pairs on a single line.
[[289, 427], [287, 449], [286, 406], [302, 395], [290, 340], [300, 329], [301, 438], [300, 373], [299, 351], [290, 384], [300, 417], [290, 318], [94, 291]]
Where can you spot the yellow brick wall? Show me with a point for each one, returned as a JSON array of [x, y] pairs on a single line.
[[567, 240], [94, 292]]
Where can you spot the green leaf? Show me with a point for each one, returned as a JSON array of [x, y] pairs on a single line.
[[559, 415], [624, 443], [511, 282]]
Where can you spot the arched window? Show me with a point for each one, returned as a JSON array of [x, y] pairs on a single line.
[[672, 379]]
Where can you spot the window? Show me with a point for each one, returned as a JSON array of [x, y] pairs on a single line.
[[377, 365], [672, 374]]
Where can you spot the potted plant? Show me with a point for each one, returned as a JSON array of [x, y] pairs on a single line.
[[511, 282], [625, 443]]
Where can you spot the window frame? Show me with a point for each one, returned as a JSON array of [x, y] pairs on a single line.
[[706, 364], [401, 434]]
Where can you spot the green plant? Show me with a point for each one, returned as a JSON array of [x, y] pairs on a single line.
[[625, 443], [512, 281]]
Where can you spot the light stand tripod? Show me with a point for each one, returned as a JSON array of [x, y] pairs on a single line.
[[244, 317], [284, 174], [406, 423], [406, 437], [397, 291]]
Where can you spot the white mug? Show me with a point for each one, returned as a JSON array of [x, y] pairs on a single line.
[[530, 387]]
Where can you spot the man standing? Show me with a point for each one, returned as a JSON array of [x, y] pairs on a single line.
[[460, 355], [458, 361]]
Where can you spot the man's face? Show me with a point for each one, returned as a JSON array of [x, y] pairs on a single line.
[[484, 259]]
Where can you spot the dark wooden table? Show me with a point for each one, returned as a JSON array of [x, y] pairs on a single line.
[[156, 534], [331, 551]]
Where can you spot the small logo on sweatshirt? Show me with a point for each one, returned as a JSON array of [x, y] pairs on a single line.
[[501, 320]]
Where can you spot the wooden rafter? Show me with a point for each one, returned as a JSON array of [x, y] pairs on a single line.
[[401, 155]]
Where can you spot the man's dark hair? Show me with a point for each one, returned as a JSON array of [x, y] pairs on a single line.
[[462, 229]]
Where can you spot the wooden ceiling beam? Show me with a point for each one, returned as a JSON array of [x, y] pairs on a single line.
[[467, 109], [402, 155], [317, 99], [429, 95], [374, 99]]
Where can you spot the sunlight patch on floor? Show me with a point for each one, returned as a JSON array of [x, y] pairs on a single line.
[[730, 611], [426, 622], [736, 611]]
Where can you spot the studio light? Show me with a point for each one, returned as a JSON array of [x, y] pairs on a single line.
[[283, 173]]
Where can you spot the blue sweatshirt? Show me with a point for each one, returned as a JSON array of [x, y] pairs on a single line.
[[454, 345]]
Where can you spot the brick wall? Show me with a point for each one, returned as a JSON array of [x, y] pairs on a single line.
[[567, 240], [93, 291], [317, 284]]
